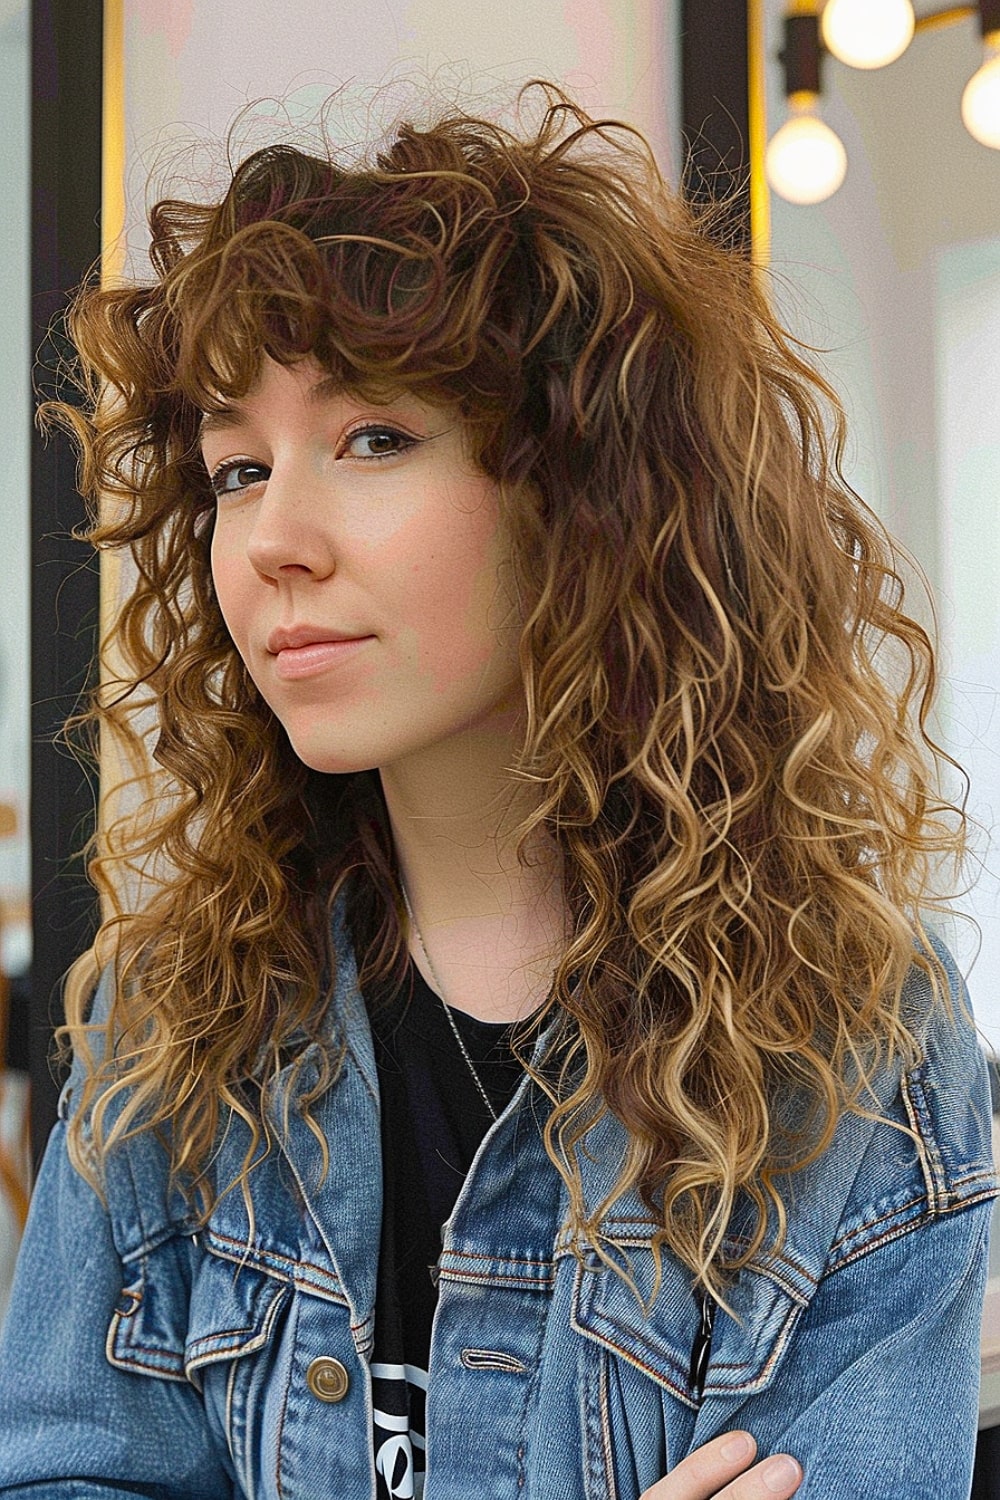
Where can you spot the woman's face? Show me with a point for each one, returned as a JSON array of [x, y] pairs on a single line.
[[337, 517]]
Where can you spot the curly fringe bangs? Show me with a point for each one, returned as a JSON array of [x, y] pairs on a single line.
[[746, 801]]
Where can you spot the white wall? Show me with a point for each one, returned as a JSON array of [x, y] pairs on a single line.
[[191, 65]]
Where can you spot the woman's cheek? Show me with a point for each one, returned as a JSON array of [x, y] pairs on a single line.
[[230, 590]]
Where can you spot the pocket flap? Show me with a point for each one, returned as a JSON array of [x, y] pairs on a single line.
[[186, 1308], [658, 1335], [233, 1311]]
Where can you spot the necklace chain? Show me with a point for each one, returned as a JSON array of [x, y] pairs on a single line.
[[447, 1009]]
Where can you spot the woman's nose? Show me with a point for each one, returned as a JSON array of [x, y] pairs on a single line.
[[288, 530]]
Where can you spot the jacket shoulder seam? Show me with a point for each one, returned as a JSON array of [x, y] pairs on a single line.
[[895, 1230]]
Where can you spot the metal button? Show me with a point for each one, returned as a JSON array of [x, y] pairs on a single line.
[[327, 1379]]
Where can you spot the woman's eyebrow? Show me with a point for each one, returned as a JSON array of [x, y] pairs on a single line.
[[220, 421], [234, 415]]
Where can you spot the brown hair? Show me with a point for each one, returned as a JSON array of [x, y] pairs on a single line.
[[745, 803]]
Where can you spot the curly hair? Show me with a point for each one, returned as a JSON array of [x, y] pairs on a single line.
[[745, 800]]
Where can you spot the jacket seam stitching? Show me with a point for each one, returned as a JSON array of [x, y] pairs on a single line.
[[279, 1487], [507, 1260], [892, 1213], [496, 1276], [278, 1267], [907, 1228], [777, 1350], [950, 1204], [655, 1372], [918, 1113], [145, 1354], [609, 1452]]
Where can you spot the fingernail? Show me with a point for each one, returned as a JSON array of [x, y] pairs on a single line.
[[738, 1446], [778, 1473]]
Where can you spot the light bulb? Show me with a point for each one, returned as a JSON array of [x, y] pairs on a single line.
[[806, 161], [868, 33], [981, 99]]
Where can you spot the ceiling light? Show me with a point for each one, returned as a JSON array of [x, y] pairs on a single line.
[[868, 33], [981, 100], [806, 161]]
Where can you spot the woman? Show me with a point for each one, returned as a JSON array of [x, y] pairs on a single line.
[[517, 1033]]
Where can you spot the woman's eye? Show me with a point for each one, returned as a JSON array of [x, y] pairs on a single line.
[[229, 478], [378, 442]]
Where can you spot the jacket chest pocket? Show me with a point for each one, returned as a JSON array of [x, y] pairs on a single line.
[[650, 1370], [192, 1316], [636, 1398], [278, 1365], [232, 1353]]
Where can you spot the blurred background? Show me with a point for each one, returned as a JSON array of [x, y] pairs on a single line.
[[888, 267]]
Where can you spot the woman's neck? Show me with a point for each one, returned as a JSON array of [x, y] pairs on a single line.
[[493, 930]]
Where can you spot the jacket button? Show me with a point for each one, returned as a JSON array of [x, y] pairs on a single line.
[[327, 1379]]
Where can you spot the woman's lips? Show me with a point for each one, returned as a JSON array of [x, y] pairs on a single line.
[[294, 662]]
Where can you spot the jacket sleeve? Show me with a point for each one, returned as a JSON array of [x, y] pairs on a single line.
[[71, 1423], [877, 1396]]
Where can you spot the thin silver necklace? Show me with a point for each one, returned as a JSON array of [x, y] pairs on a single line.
[[447, 1009]]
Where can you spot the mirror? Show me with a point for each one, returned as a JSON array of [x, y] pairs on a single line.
[[897, 278]]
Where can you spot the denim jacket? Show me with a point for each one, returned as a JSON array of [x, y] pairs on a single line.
[[144, 1356]]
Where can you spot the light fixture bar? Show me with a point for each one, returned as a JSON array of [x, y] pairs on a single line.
[[947, 17]]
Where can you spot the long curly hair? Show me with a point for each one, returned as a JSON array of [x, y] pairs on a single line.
[[745, 799]]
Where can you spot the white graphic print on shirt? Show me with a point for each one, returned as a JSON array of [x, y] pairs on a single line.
[[399, 1444]]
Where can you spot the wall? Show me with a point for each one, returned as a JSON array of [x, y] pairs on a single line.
[[191, 66]]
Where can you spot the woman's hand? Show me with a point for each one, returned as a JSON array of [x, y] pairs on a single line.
[[710, 1473]]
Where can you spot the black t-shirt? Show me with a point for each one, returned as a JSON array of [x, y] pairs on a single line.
[[433, 1121]]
